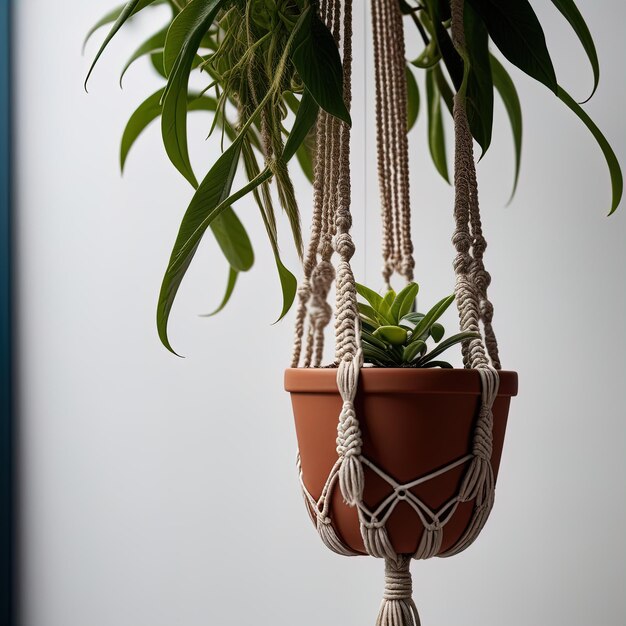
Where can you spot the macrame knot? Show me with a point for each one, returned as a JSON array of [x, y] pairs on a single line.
[[482, 279], [462, 241], [322, 277], [349, 440], [398, 608], [479, 246], [349, 443], [486, 310], [344, 246], [483, 434]]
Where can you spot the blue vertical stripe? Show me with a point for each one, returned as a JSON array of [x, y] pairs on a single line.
[[6, 413]]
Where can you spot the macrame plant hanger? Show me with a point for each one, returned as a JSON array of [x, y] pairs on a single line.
[[330, 236]]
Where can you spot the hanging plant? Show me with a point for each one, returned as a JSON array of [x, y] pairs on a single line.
[[399, 451], [269, 63]]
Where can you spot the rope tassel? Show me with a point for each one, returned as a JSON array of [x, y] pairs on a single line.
[[398, 607]]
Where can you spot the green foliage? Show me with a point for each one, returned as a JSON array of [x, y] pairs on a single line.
[[262, 60], [513, 28], [268, 68], [394, 335]]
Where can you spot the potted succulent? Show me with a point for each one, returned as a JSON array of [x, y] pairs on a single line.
[[416, 413], [412, 444]]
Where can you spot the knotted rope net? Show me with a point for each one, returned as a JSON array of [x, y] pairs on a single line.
[[330, 237]]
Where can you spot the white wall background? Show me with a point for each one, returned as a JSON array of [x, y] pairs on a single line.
[[159, 491]]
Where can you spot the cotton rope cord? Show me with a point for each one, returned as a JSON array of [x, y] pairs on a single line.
[[392, 140], [472, 278], [331, 223]]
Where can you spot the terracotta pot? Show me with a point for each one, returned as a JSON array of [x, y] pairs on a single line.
[[413, 422]]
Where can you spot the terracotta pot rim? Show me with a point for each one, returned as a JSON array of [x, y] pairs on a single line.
[[398, 380]]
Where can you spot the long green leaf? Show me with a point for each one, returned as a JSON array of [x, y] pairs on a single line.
[[129, 9], [571, 13], [152, 45], [184, 36], [109, 18], [615, 171], [369, 313], [444, 345], [214, 188], [441, 364], [506, 88], [306, 116], [305, 150], [210, 201], [451, 58], [479, 94], [371, 339], [230, 287], [233, 240], [413, 99], [403, 302], [444, 89], [436, 136], [422, 329], [148, 111], [413, 350], [227, 229], [515, 29], [316, 58], [375, 300]]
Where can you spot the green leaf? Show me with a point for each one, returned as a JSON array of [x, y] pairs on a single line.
[[129, 9], [371, 296], [388, 299], [157, 63], [479, 93], [305, 160], [394, 335], [376, 356], [413, 317], [515, 29], [413, 350], [422, 329], [429, 56], [444, 89], [230, 287], [617, 182], [441, 364], [503, 83], [213, 190], [306, 117], [436, 137], [366, 311], [305, 151], [152, 45], [571, 13], [413, 99], [148, 111], [109, 18], [451, 58], [317, 61], [371, 339], [404, 302], [233, 240], [437, 331], [183, 38], [444, 345], [288, 284]]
